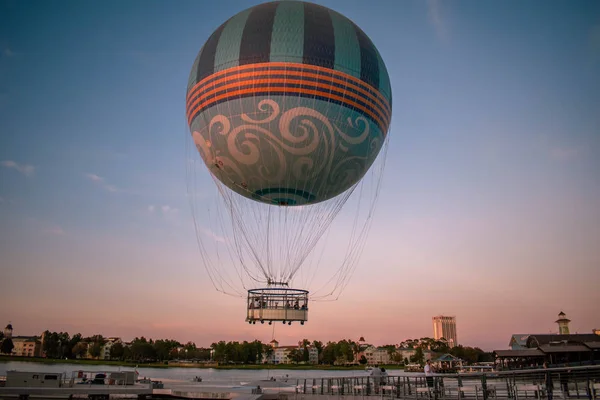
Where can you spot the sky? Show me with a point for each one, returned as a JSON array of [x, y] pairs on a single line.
[[490, 202]]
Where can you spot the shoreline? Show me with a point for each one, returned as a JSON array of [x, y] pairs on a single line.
[[191, 365]]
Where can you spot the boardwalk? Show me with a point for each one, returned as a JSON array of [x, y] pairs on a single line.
[[575, 383]]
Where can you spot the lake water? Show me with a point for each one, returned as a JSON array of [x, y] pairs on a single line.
[[210, 376]]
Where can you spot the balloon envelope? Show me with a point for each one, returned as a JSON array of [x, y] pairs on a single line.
[[289, 103]]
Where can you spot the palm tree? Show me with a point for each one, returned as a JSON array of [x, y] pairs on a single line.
[[304, 344], [356, 349], [268, 352]]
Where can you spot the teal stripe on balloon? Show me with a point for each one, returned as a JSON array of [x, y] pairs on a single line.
[[192, 78], [347, 49], [287, 40], [228, 48], [281, 190], [384, 80]]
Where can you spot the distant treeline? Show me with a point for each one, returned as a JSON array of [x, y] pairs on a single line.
[[62, 345]]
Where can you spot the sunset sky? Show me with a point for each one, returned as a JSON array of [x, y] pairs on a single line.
[[489, 210]]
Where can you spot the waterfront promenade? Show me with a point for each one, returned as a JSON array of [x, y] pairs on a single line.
[[566, 383]]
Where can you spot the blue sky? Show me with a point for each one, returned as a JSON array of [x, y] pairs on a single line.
[[491, 192]]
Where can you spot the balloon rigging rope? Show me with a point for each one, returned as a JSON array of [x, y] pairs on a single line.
[[290, 233]]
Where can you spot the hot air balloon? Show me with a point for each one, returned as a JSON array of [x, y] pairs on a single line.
[[289, 104]]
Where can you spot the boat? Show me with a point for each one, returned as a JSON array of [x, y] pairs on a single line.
[[94, 384], [413, 368]]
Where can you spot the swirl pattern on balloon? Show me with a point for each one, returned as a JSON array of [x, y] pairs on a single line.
[[287, 151]]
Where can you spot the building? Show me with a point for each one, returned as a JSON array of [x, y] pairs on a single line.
[[281, 354], [383, 356], [105, 349], [377, 355], [445, 327], [313, 355], [405, 354], [23, 346], [359, 352], [563, 324], [559, 350], [105, 354], [26, 346], [518, 341]]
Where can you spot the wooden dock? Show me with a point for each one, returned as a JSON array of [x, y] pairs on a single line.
[[96, 392]]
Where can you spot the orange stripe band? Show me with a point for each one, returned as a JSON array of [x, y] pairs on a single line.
[[286, 90], [266, 84], [272, 68]]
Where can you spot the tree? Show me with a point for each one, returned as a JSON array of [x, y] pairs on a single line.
[[162, 349], [328, 354], [117, 351], [127, 354], [51, 345], [295, 355], [268, 352], [426, 342], [363, 360], [391, 351], [79, 350], [7, 346], [95, 349], [219, 351], [397, 358], [96, 339], [259, 350], [142, 349], [356, 348], [440, 346], [303, 345], [471, 354], [1, 336], [319, 346], [76, 338], [63, 348], [343, 351], [418, 357], [190, 350]]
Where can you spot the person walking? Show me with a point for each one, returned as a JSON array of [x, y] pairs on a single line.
[[429, 373], [548, 381]]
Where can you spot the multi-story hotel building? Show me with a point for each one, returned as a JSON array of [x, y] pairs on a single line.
[[445, 327]]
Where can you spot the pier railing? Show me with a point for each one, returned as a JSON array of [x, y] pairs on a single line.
[[574, 382]]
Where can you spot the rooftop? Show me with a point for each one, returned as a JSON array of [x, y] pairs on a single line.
[[519, 353], [539, 340], [566, 348]]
